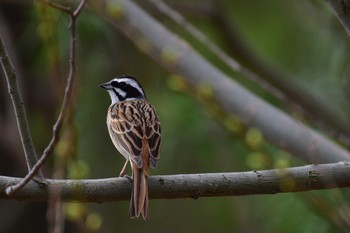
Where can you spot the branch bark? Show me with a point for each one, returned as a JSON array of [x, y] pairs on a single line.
[[297, 179], [18, 105], [177, 56]]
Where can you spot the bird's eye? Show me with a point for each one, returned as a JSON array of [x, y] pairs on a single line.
[[114, 83]]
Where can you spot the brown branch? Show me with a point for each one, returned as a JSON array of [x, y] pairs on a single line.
[[76, 13], [65, 105], [176, 55], [18, 105], [296, 179]]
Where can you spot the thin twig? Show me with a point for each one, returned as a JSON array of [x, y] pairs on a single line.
[[65, 105], [18, 105], [79, 9], [294, 179]]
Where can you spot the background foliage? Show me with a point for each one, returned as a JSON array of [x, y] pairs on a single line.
[[302, 40]]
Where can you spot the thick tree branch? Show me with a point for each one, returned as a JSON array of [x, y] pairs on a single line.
[[319, 111], [285, 89], [297, 179], [342, 11], [18, 105], [229, 61], [176, 55]]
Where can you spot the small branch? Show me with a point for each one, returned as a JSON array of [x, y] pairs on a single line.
[[18, 105], [79, 9], [65, 105], [297, 179], [342, 11]]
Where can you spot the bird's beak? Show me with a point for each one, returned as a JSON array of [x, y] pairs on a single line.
[[105, 85]]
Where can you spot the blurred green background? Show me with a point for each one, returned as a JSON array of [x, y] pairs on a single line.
[[303, 40]]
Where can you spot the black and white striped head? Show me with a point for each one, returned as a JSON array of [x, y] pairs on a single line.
[[124, 88]]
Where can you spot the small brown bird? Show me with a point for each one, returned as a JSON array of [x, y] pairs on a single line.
[[134, 128]]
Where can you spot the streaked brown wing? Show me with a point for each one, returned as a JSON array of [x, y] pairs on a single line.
[[130, 124], [130, 144], [154, 138]]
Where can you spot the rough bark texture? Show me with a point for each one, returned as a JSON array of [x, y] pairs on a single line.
[[297, 179]]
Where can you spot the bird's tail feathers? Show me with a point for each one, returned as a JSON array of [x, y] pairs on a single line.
[[139, 195]]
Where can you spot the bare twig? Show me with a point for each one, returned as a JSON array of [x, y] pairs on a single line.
[[296, 179], [9, 128], [65, 105], [55, 216], [79, 9], [18, 105], [177, 56]]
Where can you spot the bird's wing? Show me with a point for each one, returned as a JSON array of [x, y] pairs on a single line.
[[153, 135], [131, 124]]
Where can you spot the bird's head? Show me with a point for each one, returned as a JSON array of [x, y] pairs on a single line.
[[124, 88]]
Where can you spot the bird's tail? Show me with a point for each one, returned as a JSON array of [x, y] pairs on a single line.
[[139, 194]]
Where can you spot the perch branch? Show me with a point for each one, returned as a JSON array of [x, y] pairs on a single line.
[[177, 56], [66, 100], [18, 105], [296, 179]]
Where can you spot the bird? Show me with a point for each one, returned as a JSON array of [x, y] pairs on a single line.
[[134, 129]]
